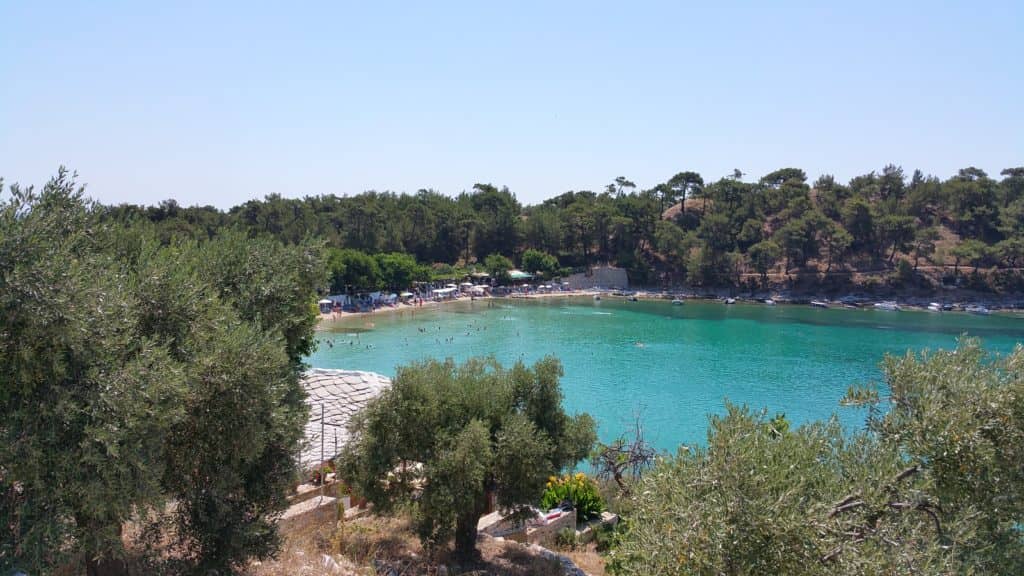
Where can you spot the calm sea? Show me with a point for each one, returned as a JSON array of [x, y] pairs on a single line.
[[673, 365]]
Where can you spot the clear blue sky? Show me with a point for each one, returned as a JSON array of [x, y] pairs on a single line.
[[218, 104]]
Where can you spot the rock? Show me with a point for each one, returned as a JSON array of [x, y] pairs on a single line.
[[328, 563]]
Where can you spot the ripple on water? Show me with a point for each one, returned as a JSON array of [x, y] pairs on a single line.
[[788, 359]]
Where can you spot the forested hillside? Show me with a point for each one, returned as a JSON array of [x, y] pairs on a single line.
[[905, 232]]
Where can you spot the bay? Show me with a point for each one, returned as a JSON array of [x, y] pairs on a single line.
[[672, 365]]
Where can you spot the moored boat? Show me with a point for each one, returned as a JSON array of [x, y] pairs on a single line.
[[935, 307], [889, 305], [769, 302], [677, 302], [978, 309], [819, 304], [730, 300]]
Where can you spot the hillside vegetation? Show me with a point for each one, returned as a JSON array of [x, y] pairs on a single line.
[[914, 232]]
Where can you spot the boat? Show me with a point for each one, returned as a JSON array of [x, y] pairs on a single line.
[[889, 305], [632, 299], [978, 309], [935, 307], [677, 302], [597, 296], [730, 300], [819, 304], [769, 302]]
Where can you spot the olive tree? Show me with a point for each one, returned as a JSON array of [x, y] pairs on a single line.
[[135, 374], [86, 398], [934, 485], [476, 429]]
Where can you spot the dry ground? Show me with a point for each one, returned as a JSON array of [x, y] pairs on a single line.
[[314, 545]]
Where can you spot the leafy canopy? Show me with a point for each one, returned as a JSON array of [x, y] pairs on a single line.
[[934, 486], [137, 373], [477, 429]]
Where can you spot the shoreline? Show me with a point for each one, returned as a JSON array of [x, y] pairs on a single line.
[[433, 305], [1001, 306]]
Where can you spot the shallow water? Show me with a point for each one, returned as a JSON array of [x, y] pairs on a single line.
[[673, 364]]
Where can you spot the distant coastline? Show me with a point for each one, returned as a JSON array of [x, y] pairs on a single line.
[[1007, 304]]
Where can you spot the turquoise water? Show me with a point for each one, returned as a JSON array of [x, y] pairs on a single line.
[[673, 364]]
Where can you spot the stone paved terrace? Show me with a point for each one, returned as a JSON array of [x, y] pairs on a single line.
[[340, 394]]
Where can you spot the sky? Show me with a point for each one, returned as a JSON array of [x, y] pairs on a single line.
[[221, 102]]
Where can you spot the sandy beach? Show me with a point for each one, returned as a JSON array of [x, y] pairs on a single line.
[[400, 308]]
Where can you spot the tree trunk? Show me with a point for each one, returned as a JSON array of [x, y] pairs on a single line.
[[106, 567], [465, 536]]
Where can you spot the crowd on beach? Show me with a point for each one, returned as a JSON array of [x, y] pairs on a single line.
[[418, 301]]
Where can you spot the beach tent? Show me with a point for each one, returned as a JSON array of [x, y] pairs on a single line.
[[444, 293]]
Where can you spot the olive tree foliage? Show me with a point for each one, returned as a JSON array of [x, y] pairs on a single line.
[[959, 416], [135, 374], [932, 487], [87, 397], [476, 429]]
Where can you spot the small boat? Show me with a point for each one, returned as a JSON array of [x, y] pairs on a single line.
[[677, 302], [597, 296], [632, 299], [935, 307], [730, 300], [978, 309], [819, 304], [769, 302], [889, 305]]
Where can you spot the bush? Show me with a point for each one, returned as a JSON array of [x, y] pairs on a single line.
[[606, 536], [904, 275], [576, 488], [565, 539]]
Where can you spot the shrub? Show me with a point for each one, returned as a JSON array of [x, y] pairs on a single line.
[[606, 536], [576, 488], [565, 539]]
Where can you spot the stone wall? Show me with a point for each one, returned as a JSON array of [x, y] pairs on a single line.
[[599, 277]]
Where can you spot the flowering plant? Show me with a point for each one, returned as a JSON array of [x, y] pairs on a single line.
[[576, 488]]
